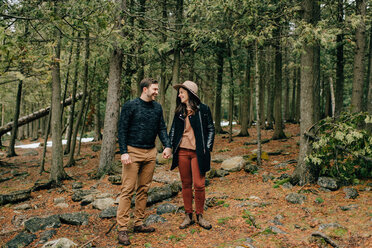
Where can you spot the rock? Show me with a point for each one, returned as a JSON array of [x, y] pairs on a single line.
[[325, 237], [328, 183], [283, 176], [287, 185], [104, 203], [233, 164], [277, 230], [36, 224], [23, 207], [351, 193], [166, 177], [88, 199], [95, 148], [76, 219], [60, 243], [275, 153], [22, 239], [295, 198], [349, 207], [266, 177], [16, 173], [79, 194], [158, 194], [77, 185], [330, 225], [277, 219], [250, 168], [116, 179], [3, 179], [255, 142], [166, 208], [154, 218], [31, 153], [45, 236], [297, 226], [221, 173], [14, 197], [62, 205], [109, 212], [59, 200], [211, 173], [104, 195], [42, 184], [324, 189]]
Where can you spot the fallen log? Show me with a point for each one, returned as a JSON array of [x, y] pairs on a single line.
[[34, 116]]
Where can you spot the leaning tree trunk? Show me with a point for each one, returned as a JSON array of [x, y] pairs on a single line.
[[278, 128], [358, 71], [11, 150], [302, 173], [72, 108], [71, 161], [217, 109], [57, 173], [246, 95], [112, 103]]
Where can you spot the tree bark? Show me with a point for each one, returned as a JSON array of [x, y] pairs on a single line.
[[112, 104], [369, 79], [270, 93], [217, 113], [83, 124], [316, 10], [46, 134], [11, 150], [298, 97], [246, 96], [71, 161], [258, 126], [231, 94], [302, 173], [57, 173], [339, 87], [358, 70]]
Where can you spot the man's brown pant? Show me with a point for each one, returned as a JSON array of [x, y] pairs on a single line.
[[137, 175]]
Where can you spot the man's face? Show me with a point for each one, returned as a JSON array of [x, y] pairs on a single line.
[[152, 91]]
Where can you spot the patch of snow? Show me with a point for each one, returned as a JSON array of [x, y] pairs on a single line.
[[49, 143]]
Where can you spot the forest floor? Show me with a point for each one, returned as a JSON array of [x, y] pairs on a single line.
[[239, 195]]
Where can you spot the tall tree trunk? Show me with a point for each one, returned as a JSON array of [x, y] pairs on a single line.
[[258, 126], [97, 109], [286, 86], [278, 130], [231, 94], [246, 95], [339, 89], [316, 10], [302, 173], [72, 108], [217, 109], [112, 104], [263, 84], [83, 125], [358, 70], [176, 62], [57, 173], [71, 161], [298, 97], [369, 97], [141, 61], [293, 100], [270, 92], [11, 150], [46, 134]]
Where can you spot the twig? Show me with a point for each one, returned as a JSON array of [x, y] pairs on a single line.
[[89, 241], [112, 226], [325, 237]]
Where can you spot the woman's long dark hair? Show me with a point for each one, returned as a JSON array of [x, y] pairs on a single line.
[[181, 107]]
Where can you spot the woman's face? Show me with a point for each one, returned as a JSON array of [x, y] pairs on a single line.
[[183, 95]]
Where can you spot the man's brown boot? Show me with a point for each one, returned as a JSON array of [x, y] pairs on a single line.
[[203, 222], [188, 221], [123, 238], [143, 229]]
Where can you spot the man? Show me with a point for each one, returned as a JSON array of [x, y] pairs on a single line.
[[141, 120]]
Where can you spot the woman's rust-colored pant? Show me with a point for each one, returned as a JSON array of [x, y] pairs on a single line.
[[190, 173]]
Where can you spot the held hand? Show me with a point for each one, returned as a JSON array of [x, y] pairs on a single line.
[[125, 159], [167, 152]]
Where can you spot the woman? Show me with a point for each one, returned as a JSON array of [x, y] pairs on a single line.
[[192, 137]]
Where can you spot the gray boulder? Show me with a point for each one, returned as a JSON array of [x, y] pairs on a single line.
[[166, 208], [154, 218], [295, 198], [250, 168], [60, 243], [328, 183], [77, 185], [45, 236], [349, 207], [233, 164], [22, 239], [109, 212], [104, 203], [36, 224], [23, 207], [116, 179], [16, 196], [76, 219], [351, 193]]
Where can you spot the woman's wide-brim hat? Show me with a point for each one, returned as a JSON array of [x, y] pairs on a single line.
[[190, 86]]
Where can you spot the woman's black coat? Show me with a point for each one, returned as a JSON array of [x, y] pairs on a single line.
[[202, 124]]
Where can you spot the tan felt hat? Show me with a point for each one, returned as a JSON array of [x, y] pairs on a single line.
[[190, 86]]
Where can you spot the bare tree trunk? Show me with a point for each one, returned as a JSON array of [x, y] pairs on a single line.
[[83, 125], [358, 71], [278, 130], [246, 95], [11, 150], [339, 89], [231, 94], [258, 126], [333, 98], [270, 92], [293, 102], [57, 173], [217, 113], [46, 132], [176, 65], [112, 104], [302, 173], [72, 108], [316, 10], [286, 86], [71, 161], [369, 79], [298, 97]]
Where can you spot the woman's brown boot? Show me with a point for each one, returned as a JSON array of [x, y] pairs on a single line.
[[203, 222], [188, 221]]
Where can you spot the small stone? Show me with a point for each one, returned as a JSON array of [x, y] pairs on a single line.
[[45, 236], [287, 185], [328, 183], [297, 226], [233, 164], [77, 185], [277, 230], [59, 200], [109, 213], [330, 225], [351, 193], [23, 207], [295, 198], [154, 218], [102, 204], [62, 205], [116, 180], [166, 208], [62, 242], [349, 207]]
